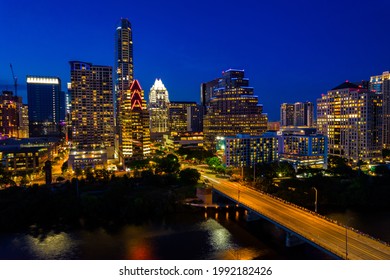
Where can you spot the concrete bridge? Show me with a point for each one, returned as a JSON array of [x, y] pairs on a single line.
[[302, 225]]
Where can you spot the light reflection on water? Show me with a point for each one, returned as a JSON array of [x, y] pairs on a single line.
[[206, 238]]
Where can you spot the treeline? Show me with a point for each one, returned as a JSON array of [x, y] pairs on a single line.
[[95, 202], [356, 190]]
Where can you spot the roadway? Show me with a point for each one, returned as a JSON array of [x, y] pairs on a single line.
[[337, 239]]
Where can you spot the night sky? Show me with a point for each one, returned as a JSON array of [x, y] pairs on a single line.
[[290, 50]]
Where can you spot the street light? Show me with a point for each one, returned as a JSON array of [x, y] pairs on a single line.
[[315, 202]]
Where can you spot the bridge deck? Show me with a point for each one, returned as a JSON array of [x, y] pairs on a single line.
[[337, 239]]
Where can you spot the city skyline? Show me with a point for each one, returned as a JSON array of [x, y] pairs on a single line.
[[291, 51]]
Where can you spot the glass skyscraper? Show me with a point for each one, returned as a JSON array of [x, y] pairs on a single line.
[[233, 109], [46, 104], [123, 78]]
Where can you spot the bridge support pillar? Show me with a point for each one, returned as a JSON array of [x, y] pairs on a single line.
[[251, 216], [292, 240]]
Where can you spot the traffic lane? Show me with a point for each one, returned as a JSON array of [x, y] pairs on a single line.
[[332, 232]]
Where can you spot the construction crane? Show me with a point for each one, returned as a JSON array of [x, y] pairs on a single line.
[[15, 80]]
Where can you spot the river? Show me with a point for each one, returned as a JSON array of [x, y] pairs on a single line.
[[188, 235]]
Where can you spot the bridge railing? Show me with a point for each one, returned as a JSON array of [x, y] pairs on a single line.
[[321, 216]]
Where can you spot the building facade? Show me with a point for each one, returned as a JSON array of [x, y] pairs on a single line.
[[124, 67], [11, 116], [178, 115], [195, 118], [92, 106], [351, 117], [287, 114], [303, 147], [244, 150], [233, 109], [381, 85], [134, 118], [159, 107], [46, 103], [304, 114], [297, 114]]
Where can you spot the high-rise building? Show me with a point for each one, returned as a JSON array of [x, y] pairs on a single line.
[[134, 118], [286, 114], [11, 116], [46, 103], [195, 118], [24, 125], [178, 115], [234, 109], [304, 114], [351, 117], [207, 91], [303, 147], [244, 150], [123, 59], [297, 114], [158, 107], [92, 107], [381, 85]]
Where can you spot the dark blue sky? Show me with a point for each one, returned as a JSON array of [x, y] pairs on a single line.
[[290, 50]]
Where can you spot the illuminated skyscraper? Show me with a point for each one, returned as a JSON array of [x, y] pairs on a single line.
[[11, 116], [195, 118], [304, 114], [46, 104], [178, 115], [286, 115], [158, 107], [123, 70], [351, 117], [92, 107], [297, 114], [381, 85], [233, 109], [123, 58], [134, 118]]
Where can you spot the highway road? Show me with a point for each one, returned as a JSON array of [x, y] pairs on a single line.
[[339, 240]]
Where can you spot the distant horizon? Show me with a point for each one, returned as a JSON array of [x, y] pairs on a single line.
[[290, 52]]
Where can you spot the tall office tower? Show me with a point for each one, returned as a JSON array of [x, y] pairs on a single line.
[[24, 124], [92, 110], [351, 117], [207, 91], [46, 104], [287, 114], [123, 60], [134, 119], [381, 85], [304, 114], [158, 108], [178, 115], [234, 109], [10, 115], [195, 118]]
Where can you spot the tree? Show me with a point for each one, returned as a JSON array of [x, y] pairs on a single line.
[[189, 176], [221, 169], [168, 164], [64, 167], [78, 172], [213, 162]]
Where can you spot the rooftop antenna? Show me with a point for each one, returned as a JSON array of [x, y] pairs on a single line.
[[15, 80]]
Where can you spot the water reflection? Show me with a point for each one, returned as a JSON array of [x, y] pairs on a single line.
[[208, 235]]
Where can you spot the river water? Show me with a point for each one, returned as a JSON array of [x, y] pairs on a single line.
[[188, 235]]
